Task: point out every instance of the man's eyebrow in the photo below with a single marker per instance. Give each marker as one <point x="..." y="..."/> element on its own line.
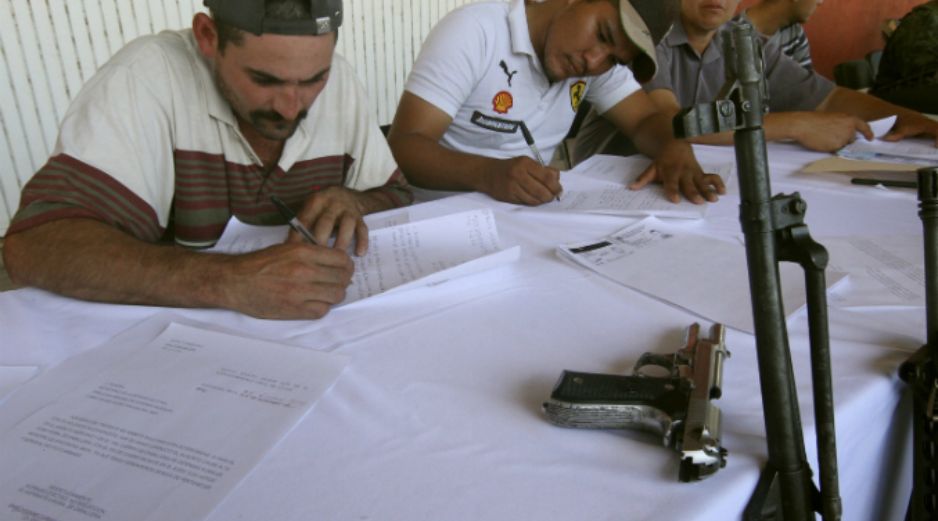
<point x="270" y="77"/>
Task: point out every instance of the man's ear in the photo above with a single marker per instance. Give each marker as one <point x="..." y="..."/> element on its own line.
<point x="206" y="34"/>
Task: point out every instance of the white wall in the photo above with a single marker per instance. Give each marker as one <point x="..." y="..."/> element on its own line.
<point x="49" y="48"/>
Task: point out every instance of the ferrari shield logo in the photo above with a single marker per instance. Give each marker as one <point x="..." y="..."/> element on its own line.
<point x="577" y="90"/>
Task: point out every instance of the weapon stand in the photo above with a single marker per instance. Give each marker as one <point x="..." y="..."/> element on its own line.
<point x="774" y="231"/>
<point x="920" y="371"/>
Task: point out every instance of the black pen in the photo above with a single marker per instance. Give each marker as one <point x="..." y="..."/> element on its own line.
<point x="529" y="139"/>
<point x="884" y="182"/>
<point x="292" y="220"/>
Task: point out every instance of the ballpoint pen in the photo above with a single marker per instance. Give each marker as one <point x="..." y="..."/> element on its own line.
<point x="292" y="220"/>
<point x="885" y="182"/>
<point x="529" y="139"/>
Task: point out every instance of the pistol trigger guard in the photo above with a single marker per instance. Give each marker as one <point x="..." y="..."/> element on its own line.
<point x="653" y="359"/>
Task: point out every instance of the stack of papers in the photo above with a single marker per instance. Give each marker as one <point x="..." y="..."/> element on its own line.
<point x="704" y="276"/>
<point x="160" y="423"/>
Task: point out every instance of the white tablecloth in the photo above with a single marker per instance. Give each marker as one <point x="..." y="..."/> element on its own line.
<point x="438" y="415"/>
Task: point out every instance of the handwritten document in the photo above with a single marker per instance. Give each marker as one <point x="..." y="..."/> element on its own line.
<point x="705" y="276"/>
<point x="164" y="432"/>
<point x="882" y="271"/>
<point x="600" y="185"/>
<point x="403" y="254"/>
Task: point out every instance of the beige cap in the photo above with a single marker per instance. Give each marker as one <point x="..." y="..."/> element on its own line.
<point x="646" y="22"/>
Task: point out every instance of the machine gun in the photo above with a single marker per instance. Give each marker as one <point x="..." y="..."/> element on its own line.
<point x="774" y="230"/>
<point x="676" y="406"/>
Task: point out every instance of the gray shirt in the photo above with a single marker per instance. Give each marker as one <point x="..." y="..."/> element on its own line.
<point x="698" y="79"/>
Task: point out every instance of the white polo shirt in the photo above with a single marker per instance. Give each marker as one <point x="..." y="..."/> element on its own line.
<point x="479" y="60"/>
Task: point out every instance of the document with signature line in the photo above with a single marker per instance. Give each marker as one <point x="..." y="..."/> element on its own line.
<point x="165" y="431"/>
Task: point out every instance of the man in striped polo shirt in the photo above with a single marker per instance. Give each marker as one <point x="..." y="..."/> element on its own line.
<point x="781" y="20"/>
<point x="180" y="131"/>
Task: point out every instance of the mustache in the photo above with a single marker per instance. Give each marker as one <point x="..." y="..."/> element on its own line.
<point x="275" y="117"/>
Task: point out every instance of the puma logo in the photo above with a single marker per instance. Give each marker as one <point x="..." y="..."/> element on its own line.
<point x="509" y="74"/>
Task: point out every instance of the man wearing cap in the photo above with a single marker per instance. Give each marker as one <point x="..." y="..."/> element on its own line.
<point x="180" y="131"/>
<point x="803" y="106"/>
<point x="495" y="81"/>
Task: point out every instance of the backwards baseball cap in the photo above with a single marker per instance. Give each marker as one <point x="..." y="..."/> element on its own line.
<point x="646" y="22"/>
<point x="250" y="15"/>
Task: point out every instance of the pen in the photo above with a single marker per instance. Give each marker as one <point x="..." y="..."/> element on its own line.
<point x="292" y="220"/>
<point x="529" y="139"/>
<point x="884" y="182"/>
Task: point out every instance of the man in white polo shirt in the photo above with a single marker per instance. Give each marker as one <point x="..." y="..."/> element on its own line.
<point x="179" y="132"/>
<point x="497" y="85"/>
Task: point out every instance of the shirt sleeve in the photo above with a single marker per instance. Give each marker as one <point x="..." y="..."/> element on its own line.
<point x="445" y="71"/>
<point x="611" y="87"/>
<point x="791" y="86"/>
<point x="113" y="158"/>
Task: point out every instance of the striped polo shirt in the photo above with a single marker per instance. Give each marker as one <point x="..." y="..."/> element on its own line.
<point x="150" y="146"/>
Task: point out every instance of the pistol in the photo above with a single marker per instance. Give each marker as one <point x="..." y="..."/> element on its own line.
<point x="675" y="405"/>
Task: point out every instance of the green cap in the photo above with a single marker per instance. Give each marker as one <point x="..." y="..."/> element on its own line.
<point x="250" y="16"/>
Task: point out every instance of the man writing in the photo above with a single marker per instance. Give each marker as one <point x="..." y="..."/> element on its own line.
<point x="803" y="106"/>
<point x="182" y="130"/>
<point x="487" y="68"/>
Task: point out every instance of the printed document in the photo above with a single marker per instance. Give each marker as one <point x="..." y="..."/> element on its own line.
<point x="403" y="254"/>
<point x="705" y="276"/>
<point x="882" y="271"/>
<point x="919" y="151"/>
<point x="600" y="185"/>
<point x="164" y="431"/>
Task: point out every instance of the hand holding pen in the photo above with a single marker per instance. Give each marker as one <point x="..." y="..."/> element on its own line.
<point x="334" y="211"/>
<point x="292" y="220"/>
<point x="529" y="139"/>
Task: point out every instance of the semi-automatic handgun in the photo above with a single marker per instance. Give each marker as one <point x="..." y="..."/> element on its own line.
<point x="676" y="405"/>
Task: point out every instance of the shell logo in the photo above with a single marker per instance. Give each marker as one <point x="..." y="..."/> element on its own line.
<point x="502" y="102"/>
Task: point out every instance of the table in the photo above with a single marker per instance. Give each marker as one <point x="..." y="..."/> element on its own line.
<point x="438" y="415"/>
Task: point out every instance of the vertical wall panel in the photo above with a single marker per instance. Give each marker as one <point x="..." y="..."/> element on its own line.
<point x="50" y="48"/>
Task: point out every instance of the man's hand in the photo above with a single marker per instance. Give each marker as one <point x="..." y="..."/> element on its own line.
<point x="335" y="210"/>
<point x="825" y="131"/>
<point x="677" y="169"/>
<point x="911" y="124"/>
<point x="288" y="281"/>
<point x="522" y="180"/>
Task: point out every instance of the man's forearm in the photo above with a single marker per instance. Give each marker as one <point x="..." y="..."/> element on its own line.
<point x="653" y="133"/>
<point x="90" y="260"/>
<point x="861" y="105"/>
<point x="430" y="165"/>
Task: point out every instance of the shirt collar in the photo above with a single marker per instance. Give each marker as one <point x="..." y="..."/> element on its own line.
<point x="518" y="29"/>
<point x="678" y="37"/>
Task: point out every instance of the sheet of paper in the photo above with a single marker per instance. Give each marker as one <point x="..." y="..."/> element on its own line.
<point x="164" y="432"/>
<point x="402" y="254"/>
<point x="600" y="185"/>
<point x="428" y="252"/>
<point x="653" y="258"/>
<point x="12" y="377"/>
<point x="882" y="271"/>
<point x="920" y="151"/>
<point x="240" y="237"/>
